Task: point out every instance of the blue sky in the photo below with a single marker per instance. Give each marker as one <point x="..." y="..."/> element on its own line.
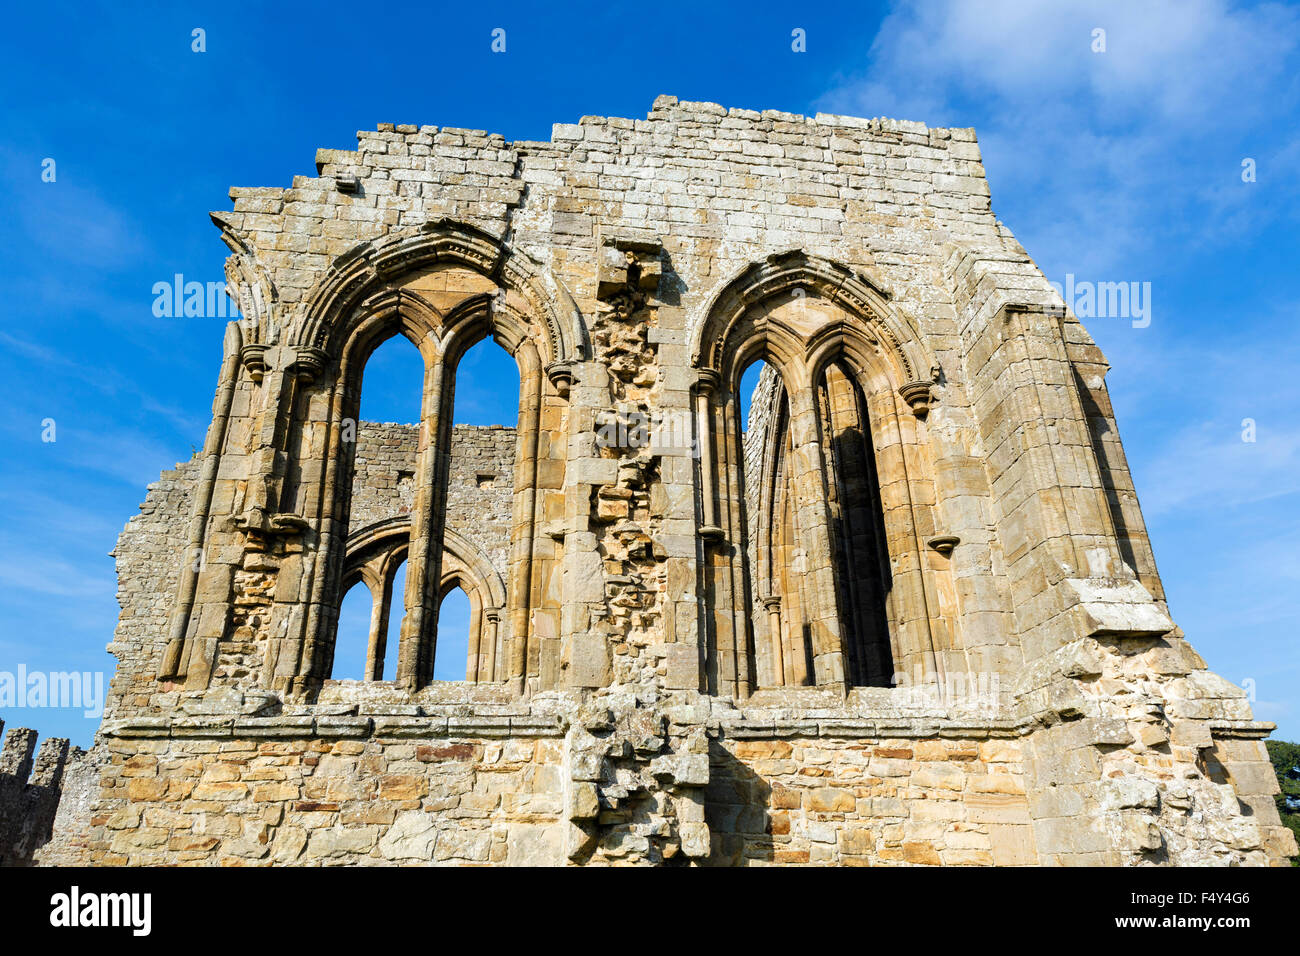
<point x="1123" y="165"/>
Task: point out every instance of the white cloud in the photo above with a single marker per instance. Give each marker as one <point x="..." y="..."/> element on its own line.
<point x="1177" y="60"/>
<point x="1104" y="149"/>
<point x="105" y="380"/>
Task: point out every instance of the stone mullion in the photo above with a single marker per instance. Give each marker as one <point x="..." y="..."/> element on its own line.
<point x="843" y="463"/>
<point x="808" y="477"/>
<point x="793" y="598"/>
<point x="735" y="543"/>
<point x="381" y="591"/>
<point x="869" y="549"/>
<point x="730" y="611"/>
<point x="835" y="527"/>
<point x="524" y="518"/>
<point x="424" y="556"/>
<point x="766" y="544"/>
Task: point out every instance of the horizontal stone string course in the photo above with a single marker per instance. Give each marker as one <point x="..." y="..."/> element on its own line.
<point x="325" y="727"/>
<point x="906" y="612"/>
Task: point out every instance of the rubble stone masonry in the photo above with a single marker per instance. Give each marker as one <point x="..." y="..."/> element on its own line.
<point x="911" y="616"/>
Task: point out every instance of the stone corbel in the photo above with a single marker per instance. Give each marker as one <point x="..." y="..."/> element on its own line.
<point x="628" y="270"/>
<point x="253" y="359"/>
<point x="918" y="397"/>
<point x="943" y="543"/>
<point x="561" y="376"/>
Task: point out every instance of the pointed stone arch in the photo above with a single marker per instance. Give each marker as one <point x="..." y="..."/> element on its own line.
<point x="814" y="320"/>
<point x="880" y="326"/>
<point x="529" y="292"/>
<point x="373" y="555"/>
<point x="444" y="287"/>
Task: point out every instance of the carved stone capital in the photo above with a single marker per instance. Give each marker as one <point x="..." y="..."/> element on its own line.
<point x="308" y="364"/>
<point x="707" y="381"/>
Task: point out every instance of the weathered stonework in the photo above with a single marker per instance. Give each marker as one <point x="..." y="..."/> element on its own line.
<point x="33" y="785"/>
<point x="911" y="616"/>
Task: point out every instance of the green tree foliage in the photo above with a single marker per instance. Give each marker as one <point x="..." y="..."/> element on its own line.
<point x="1286" y="764"/>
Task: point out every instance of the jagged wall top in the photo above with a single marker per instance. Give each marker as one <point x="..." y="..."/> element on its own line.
<point x="689" y="173"/>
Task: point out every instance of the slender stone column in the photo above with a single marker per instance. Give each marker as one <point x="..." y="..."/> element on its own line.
<point x="704" y="389"/>
<point x="773" y="605"/>
<point x="380" y="595"/>
<point x="525" y="515"/>
<point x="808" y="477"/>
<point x="488" y="646"/>
<point x="792" y="579"/>
<point x="734" y="650"/>
<point x="173" y="661"/>
<point x="424" y="557"/>
<point x="473" y="651"/>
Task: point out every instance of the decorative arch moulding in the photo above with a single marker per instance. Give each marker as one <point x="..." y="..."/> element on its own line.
<point x="374" y="266"/>
<point x="882" y="328"/>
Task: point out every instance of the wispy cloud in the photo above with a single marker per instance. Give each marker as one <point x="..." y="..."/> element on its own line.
<point x="105" y="380"/>
<point x="1099" y="144"/>
<point x="65" y="221"/>
<point x="40" y="574"/>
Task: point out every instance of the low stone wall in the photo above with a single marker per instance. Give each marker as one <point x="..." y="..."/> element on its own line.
<point x="868" y="802"/>
<point x="446" y="795"/>
<point x="465" y="774"/>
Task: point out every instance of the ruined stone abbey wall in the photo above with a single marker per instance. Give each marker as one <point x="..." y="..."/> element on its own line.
<point x="971" y="662"/>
